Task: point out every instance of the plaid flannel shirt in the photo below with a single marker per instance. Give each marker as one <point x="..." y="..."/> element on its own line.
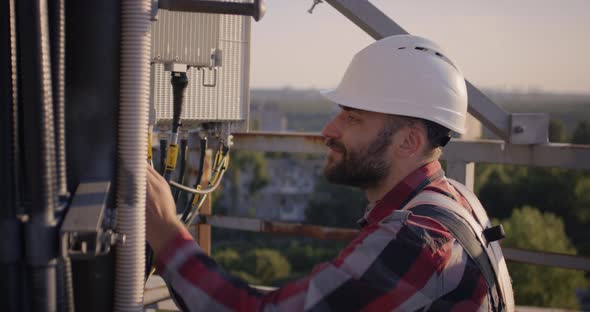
<point x="392" y="265"/>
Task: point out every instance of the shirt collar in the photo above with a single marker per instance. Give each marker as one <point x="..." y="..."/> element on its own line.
<point x="403" y="192"/>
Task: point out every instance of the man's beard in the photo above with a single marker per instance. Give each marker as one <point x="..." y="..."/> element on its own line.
<point x="364" y="167"/>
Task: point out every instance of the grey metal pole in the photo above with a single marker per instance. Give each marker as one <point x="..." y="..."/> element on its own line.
<point x="39" y="152"/>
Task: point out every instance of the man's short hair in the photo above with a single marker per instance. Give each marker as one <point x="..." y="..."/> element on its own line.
<point x="437" y="135"/>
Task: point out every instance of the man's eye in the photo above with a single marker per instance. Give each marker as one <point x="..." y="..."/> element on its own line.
<point x="350" y="117"/>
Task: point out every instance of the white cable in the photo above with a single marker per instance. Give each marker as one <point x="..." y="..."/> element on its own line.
<point x="196" y="191"/>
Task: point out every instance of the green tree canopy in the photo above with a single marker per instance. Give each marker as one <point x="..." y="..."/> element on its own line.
<point x="335" y="205"/>
<point x="556" y="131"/>
<point x="581" y="134"/>
<point x="503" y="188"/>
<point x="227" y="257"/>
<point x="582" y="200"/>
<point x="267" y="265"/>
<point x="260" y="266"/>
<point x="528" y="228"/>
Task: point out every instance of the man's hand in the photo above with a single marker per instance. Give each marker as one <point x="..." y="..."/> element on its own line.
<point x="161" y="221"/>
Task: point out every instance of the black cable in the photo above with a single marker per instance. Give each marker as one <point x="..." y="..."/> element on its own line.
<point x="163" y="152"/>
<point x="179" y="83"/>
<point x="199" y="177"/>
<point x="218" y="166"/>
<point x="183" y="159"/>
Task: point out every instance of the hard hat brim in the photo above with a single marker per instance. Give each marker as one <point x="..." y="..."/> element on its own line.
<point x="333" y="96"/>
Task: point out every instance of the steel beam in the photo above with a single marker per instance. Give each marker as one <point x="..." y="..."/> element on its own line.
<point x="560" y="155"/>
<point x="490" y="114"/>
<point x="378" y="25"/>
<point x="463" y="172"/>
<point x="368" y="18"/>
<point x="568" y="156"/>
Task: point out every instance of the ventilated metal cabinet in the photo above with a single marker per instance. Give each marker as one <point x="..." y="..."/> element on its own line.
<point x="216" y="49"/>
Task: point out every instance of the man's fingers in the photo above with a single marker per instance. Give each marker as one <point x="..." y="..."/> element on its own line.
<point x="151" y="170"/>
<point x="154" y="176"/>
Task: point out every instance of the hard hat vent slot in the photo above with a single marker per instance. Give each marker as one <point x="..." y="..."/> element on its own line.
<point x="401" y="48"/>
<point x="437" y="54"/>
<point x="428" y="50"/>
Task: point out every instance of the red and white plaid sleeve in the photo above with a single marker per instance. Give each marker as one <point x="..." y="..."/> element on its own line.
<point x="398" y="264"/>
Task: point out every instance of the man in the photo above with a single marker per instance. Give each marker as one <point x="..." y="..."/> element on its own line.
<point x="399" y="99"/>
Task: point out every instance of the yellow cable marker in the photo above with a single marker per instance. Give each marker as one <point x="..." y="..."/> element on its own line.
<point x="149" y="151"/>
<point x="171" y="157"/>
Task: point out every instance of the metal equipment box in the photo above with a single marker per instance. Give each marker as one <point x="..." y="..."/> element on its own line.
<point x="216" y="49"/>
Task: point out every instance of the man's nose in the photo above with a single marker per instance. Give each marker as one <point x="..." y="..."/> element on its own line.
<point x="332" y="129"/>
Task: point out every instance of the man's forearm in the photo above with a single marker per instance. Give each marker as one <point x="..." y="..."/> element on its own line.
<point x="163" y="235"/>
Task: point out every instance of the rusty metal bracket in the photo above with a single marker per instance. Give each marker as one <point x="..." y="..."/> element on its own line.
<point x="84" y="232"/>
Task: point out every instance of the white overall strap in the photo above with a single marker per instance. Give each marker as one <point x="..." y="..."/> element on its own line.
<point x="503" y="276"/>
<point x="437" y="199"/>
<point x="433" y="198"/>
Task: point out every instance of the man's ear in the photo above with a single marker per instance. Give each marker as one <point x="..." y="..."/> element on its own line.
<point x="409" y="142"/>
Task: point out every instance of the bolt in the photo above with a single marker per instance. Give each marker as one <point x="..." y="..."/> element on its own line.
<point x="230" y="140"/>
<point x="315" y="2"/>
<point x="111" y="238"/>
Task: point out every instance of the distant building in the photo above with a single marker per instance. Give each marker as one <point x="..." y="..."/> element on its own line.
<point x="285" y="197"/>
<point x="266" y="116"/>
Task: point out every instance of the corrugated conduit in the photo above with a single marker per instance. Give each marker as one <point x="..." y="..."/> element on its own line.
<point x="131" y="154"/>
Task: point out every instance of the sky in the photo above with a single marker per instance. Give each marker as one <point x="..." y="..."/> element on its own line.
<point x="510" y="45"/>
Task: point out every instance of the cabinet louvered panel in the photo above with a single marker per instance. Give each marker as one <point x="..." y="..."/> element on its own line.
<point x="228" y="100"/>
<point x="186" y="38"/>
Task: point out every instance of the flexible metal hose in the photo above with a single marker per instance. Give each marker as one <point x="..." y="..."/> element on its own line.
<point x="57" y="14"/>
<point x="132" y="153"/>
<point x="65" y="290"/>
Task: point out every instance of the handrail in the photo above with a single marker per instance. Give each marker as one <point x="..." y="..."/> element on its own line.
<point x="563" y="155"/>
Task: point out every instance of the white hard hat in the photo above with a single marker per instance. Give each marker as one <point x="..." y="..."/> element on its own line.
<point x="405" y="75"/>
